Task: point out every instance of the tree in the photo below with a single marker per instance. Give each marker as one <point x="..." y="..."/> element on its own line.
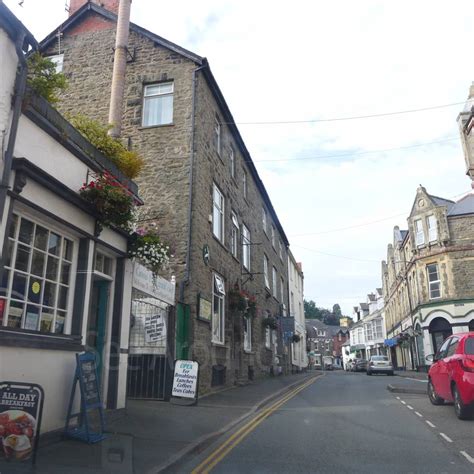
<point x="311" y="311"/>
<point x="336" y="309"/>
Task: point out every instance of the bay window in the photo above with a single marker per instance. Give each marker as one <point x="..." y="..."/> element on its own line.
<point x="36" y="290"/>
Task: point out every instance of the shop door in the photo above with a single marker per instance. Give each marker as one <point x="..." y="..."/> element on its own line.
<point x="97" y="321"/>
<point x="148" y="375"/>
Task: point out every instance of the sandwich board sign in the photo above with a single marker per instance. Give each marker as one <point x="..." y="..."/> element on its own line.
<point x="21" y="410"/>
<point x="185" y="382"/>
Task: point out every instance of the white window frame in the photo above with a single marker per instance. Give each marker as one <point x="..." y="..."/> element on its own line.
<point x="432" y="228"/>
<point x="281" y="250"/>
<point x="218" y="209"/>
<point x="218" y="135"/>
<point x="247" y="333"/>
<point x="244" y="183"/>
<point x="273" y="235"/>
<point x="274" y="282"/>
<point x="246" y="244"/>
<point x="266" y="263"/>
<point x="282" y="290"/>
<point x="147" y="98"/>
<point x="234" y="237"/>
<point x="58" y="60"/>
<point x="218" y="309"/>
<point x="419" y="232"/>
<point x="432" y="284"/>
<point x="264" y="220"/>
<point x="232" y="161"/>
<point x="54" y="308"/>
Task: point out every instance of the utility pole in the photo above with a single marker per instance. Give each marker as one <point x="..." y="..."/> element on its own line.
<point x="119" y="71"/>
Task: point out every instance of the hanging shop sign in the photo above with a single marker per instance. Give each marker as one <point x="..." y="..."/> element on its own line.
<point x="185" y="382"/>
<point x="155" y="327"/>
<point x="153" y="285"/>
<point x="87" y="377"/>
<point x="21" y="409"/>
<point x="204" y="309"/>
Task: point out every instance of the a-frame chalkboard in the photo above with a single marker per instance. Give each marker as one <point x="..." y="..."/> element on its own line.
<point x="87" y="377"/>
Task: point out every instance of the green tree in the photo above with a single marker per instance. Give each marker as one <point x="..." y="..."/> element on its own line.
<point x="311" y="311"/>
<point x="43" y="79"/>
<point x="336" y="309"/>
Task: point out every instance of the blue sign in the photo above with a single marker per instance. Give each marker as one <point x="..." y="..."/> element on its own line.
<point x="87" y="377"/>
<point x="391" y="342"/>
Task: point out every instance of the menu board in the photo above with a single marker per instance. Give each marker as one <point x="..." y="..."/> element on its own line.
<point x="21" y="406"/>
<point x="185" y="379"/>
<point x="89" y="383"/>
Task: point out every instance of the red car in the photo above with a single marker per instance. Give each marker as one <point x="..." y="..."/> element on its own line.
<point x="451" y="377"/>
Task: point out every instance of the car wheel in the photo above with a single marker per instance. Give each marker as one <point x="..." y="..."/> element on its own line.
<point x="463" y="412"/>
<point x="433" y="396"/>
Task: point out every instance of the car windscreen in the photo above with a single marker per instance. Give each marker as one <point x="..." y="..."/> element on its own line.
<point x="384" y="358"/>
<point x="469" y="346"/>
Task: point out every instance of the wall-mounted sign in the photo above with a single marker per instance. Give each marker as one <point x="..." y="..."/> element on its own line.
<point x="185" y="381"/>
<point x="155" y="327"/>
<point x="206" y="256"/>
<point x="157" y="287"/>
<point x="21" y="408"/>
<point x="204" y="309"/>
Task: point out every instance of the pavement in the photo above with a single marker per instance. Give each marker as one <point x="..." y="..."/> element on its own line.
<point x="409" y="382"/>
<point x="151" y="436"/>
<point x="344" y="423"/>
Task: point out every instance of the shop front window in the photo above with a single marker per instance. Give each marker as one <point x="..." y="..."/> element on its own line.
<point x="36" y="288"/>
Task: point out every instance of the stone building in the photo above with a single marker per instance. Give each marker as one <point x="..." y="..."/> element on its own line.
<point x="428" y="278"/>
<point x="201" y="189"/>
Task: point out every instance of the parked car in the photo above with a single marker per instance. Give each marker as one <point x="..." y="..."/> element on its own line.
<point x="359" y="365"/>
<point x="451" y="377"/>
<point x="328" y="362"/>
<point x="379" y="364"/>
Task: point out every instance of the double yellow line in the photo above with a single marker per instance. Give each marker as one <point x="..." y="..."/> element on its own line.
<point x="216" y="457"/>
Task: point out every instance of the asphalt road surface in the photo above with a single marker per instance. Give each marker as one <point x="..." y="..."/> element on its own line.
<point x="346" y="423"/>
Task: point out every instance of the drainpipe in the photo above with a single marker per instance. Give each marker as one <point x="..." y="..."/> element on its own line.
<point x="20" y="86"/>
<point x="185" y="281"/>
<point x="119" y="71"/>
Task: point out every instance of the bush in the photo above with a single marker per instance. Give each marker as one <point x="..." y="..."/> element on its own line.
<point x="128" y="162"/>
<point x="43" y="79"/>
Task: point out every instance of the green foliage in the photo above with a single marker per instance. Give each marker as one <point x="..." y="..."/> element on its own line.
<point x="128" y="162"/>
<point x="328" y="317"/>
<point x="43" y="79"/>
<point x="311" y="311"/>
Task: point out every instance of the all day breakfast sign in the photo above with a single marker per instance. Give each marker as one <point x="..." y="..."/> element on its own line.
<point x="185" y="379"/>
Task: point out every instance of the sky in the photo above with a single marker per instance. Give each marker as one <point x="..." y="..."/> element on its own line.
<point x="338" y="186"/>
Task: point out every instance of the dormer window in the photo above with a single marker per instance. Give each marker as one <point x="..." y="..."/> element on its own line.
<point x="419" y="233"/>
<point x="432" y="228"/>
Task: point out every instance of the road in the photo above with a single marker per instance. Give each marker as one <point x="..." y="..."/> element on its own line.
<point x="345" y="423"/>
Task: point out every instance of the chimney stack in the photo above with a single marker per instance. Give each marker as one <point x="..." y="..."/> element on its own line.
<point x="111" y="5"/>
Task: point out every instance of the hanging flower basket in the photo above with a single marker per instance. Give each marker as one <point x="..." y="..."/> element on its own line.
<point x="147" y="247"/>
<point x="295" y="338"/>
<point x="112" y="201"/>
<point x="271" y="322"/>
<point x="237" y="300"/>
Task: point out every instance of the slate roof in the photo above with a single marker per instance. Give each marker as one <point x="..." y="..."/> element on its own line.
<point x="364" y="306"/>
<point x="403" y="233"/>
<point x="315" y="324"/>
<point x="464" y="206"/>
<point x="379" y="291"/>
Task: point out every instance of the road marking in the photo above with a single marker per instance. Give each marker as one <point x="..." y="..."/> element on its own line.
<point x="417" y="380"/>
<point x="403" y="402"/>
<point x="469" y="458"/>
<point x="417" y="413"/>
<point x="410" y="407"/>
<point x="214" y="458"/>
<point x="447" y="438"/>
<point x="430" y="424"/>
<point x="398" y="398"/>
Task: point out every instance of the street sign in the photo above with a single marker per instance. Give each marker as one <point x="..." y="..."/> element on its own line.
<point x="21" y="410"/>
<point x="185" y="382"/>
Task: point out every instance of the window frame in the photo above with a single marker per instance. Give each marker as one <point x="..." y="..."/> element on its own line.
<point x="30" y="277"/>
<point x="234" y="235"/>
<point x="274" y="282"/>
<point x="282" y="290"/>
<point x="58" y="60"/>
<point x="146" y="100"/>
<point x="264" y="220"/>
<point x="432" y="230"/>
<point x="218" y="212"/>
<point x="218" y="135"/>
<point x="232" y="161"/>
<point x="272" y="230"/>
<point x="268" y="337"/>
<point x="244" y="184"/>
<point x="248" y="333"/>
<point x="419" y="232"/>
<point x="246" y="244"/>
<point x="266" y="278"/>
<point x="433" y="282"/>
<point x="218" y="296"/>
